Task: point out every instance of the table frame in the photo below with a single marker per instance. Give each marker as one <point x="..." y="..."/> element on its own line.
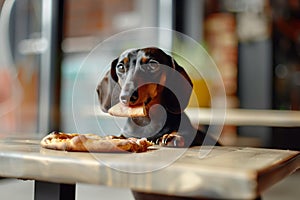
<point x="57" y="191"/>
<point x="54" y="191"/>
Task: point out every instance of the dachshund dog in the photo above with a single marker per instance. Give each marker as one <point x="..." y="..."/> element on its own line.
<point x="152" y="78"/>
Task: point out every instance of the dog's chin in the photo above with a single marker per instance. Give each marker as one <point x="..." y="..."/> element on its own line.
<point x="155" y="113"/>
<point x="141" y="121"/>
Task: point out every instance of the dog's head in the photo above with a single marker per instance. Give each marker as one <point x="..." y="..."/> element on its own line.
<point x="145" y="76"/>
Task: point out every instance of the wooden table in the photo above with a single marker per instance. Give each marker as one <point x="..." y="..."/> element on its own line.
<point x="210" y="172"/>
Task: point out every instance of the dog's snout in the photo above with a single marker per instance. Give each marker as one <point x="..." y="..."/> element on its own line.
<point x="125" y="99"/>
<point x="129" y="99"/>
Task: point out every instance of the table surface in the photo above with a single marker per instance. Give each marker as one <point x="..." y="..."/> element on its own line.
<point x="227" y="172"/>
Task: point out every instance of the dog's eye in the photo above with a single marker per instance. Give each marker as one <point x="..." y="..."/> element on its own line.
<point x="154" y="65"/>
<point x="153" y="62"/>
<point x="151" y="66"/>
<point x="121" y="68"/>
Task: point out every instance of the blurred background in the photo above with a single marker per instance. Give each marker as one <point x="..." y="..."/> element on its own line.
<point x="255" y="44"/>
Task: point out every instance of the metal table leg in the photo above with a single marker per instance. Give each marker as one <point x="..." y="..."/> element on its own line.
<point x="53" y="191"/>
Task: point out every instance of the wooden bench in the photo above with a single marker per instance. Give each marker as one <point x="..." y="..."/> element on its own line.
<point x="194" y="173"/>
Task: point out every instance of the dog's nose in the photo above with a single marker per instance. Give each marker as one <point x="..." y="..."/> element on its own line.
<point x="129" y="99"/>
<point x="124" y="99"/>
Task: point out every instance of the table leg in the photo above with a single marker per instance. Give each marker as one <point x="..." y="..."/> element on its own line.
<point x="53" y="191"/>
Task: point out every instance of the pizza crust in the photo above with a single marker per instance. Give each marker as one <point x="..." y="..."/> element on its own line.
<point x="122" y="110"/>
<point x="93" y="143"/>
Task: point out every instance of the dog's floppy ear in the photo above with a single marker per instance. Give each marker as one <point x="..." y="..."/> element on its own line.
<point x="108" y="89"/>
<point x="179" y="89"/>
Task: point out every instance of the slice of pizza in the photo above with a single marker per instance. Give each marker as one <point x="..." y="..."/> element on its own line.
<point x="93" y="143"/>
<point x="122" y="110"/>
